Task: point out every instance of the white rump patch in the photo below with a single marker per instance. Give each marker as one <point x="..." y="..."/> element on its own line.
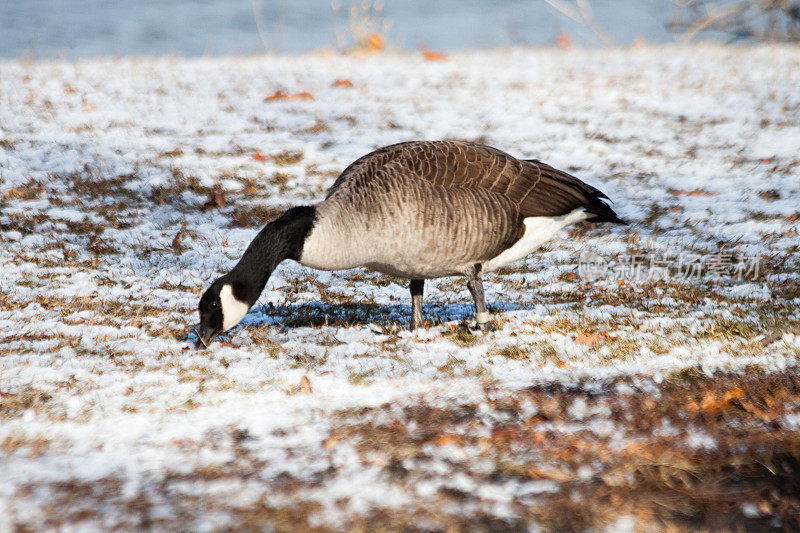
<point x="538" y="230"/>
<point x="233" y="310"/>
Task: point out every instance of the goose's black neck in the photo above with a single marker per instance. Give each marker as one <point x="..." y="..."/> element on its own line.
<point x="280" y="239"/>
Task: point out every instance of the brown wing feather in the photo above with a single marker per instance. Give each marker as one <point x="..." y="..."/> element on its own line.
<point x="537" y="189"/>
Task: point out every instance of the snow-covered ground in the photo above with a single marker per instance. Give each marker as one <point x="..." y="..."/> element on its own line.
<point x="127" y="185"/>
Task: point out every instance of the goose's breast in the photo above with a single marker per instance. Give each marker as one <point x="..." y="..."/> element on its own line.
<point x="415" y="231"/>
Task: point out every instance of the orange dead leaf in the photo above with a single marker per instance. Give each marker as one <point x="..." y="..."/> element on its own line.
<point x="732" y="394"/>
<point x="374" y="42"/>
<point x="756" y="411"/>
<point x="562" y="364"/>
<point x="305" y="385"/>
<point x="330" y="443"/>
<point x="430" y="55"/>
<point x="305" y="95"/>
<point x="587" y="338"/>
<point x="710" y="403"/>
<point x="447" y="439"/>
<point x="259" y="157"/>
<point x="342" y="83"/>
<point x="693" y="192"/>
<point x="552" y="474"/>
<point x="280" y="95"/>
<point x="277" y="95"/>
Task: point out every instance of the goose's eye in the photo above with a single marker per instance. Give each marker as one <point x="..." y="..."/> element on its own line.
<point x="213" y="305"/>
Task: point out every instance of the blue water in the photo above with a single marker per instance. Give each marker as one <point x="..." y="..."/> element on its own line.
<point x="81" y="28"/>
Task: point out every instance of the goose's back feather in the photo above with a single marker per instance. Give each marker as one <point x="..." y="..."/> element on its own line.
<point x="536" y="188"/>
<point x="431" y="209"/>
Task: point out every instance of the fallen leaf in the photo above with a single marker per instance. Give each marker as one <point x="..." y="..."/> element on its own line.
<point x="756" y="411"/>
<point x="447" y="439"/>
<point x="305" y="95"/>
<point x="280" y="95"/>
<point x="277" y="95"/>
<point x="430" y="55"/>
<point x="549" y="473"/>
<point x="709" y="403"/>
<point x="693" y="192"/>
<point x="342" y="83"/>
<point x="330" y="443"/>
<point x="305" y="385"/>
<point x="587" y="338"/>
<point x="374" y="42"/>
<point x="732" y="394"/>
<point x="259" y="157"/>
<point x="215" y="199"/>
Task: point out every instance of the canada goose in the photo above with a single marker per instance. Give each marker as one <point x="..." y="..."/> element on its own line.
<point x="416" y="210"/>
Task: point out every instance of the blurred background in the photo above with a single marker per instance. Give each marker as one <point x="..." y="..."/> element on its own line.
<point x="84" y="28"/>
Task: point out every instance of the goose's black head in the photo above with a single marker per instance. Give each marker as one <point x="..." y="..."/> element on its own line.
<point x="221" y="307"/>
<point x="227" y="300"/>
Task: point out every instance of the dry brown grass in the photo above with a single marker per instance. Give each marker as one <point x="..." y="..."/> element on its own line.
<point x="661" y="481"/>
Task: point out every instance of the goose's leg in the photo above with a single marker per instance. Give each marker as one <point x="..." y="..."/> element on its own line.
<point x="417" y="286"/>
<point x="475" y="286"/>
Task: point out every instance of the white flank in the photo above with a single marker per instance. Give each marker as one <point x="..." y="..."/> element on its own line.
<point x="538" y="230"/>
<point x="233" y="310"/>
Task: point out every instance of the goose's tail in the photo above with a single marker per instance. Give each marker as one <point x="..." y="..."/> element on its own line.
<point x="564" y="192"/>
<point x="597" y="205"/>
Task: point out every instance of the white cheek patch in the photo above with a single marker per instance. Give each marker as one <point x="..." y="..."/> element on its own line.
<point x="233" y="310"/>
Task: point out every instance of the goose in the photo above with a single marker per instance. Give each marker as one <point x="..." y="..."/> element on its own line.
<point x="415" y="210"/>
